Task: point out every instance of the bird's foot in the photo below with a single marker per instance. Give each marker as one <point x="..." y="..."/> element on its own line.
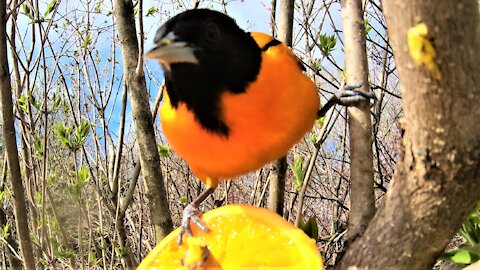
<point x="190" y="215"/>
<point x="349" y="95"/>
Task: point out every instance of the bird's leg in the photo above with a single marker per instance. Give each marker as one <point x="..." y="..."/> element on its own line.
<point x="348" y="95"/>
<point x="190" y="213"/>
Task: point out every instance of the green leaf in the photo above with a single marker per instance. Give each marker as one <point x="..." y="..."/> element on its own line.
<point x="82" y="175"/>
<point x="43" y="262"/>
<point x="76" y="141"/>
<point x="470" y="229"/>
<point x="164" y="150"/>
<point x="38" y="145"/>
<point x="474" y="250"/>
<point x="310" y="228"/>
<point x="298" y="174"/>
<point x="23" y="102"/>
<point x="459" y="256"/>
<point x="343" y="74"/>
<point x="32" y="100"/>
<point x="87" y="41"/>
<point x="98" y="7"/>
<point x="316" y="65"/>
<point x="468" y="252"/>
<point x="27" y="11"/>
<point x="6" y="231"/>
<point x="183" y="200"/>
<point x="327" y="44"/>
<point x="313" y="137"/>
<point x="50" y="8"/>
<point x="320" y="120"/>
<point x="477" y="208"/>
<point x="61" y="251"/>
<point x="38" y="198"/>
<point x="52" y="178"/>
<point x="92" y="257"/>
<point x="151" y="11"/>
<point x="81" y="134"/>
<point x="84" y="128"/>
<point x="63" y="134"/>
<point x="26" y="8"/>
<point x="368" y="27"/>
<point x="121" y="252"/>
<point x="65" y="107"/>
<point x="56" y="103"/>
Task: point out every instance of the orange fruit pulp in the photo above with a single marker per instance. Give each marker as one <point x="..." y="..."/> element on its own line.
<point x="240" y="237"/>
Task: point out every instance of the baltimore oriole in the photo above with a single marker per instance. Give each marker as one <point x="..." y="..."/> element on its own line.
<point x="234" y="101"/>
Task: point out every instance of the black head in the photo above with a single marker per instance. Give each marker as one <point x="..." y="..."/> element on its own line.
<point x="203" y="52"/>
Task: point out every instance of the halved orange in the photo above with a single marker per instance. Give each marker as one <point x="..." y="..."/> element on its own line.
<point x="240" y="237"/>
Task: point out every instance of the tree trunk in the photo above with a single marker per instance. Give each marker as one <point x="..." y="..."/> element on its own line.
<point x="134" y="78"/>
<point x="9" y="136"/>
<point x="276" y="192"/>
<point x="362" y="206"/>
<point x="436" y="184"/>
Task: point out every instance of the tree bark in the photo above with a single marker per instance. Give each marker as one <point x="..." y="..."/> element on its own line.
<point x="134" y="78"/>
<point x="436" y="184"/>
<point x="276" y="186"/>
<point x="285" y="22"/>
<point x="362" y="206"/>
<point x="276" y="192"/>
<point x="9" y="136"/>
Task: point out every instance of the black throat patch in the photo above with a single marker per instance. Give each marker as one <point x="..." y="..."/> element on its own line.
<point x="200" y="85"/>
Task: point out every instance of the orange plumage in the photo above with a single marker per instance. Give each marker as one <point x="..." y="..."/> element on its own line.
<point x="265" y="121"/>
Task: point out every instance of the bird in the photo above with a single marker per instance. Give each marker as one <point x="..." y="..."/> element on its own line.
<point x="233" y="101"/>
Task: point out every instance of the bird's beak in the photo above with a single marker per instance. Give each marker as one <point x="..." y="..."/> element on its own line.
<point x="168" y="51"/>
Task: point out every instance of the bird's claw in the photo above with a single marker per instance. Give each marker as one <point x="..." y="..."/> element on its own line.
<point x="349" y="95"/>
<point x="190" y="214"/>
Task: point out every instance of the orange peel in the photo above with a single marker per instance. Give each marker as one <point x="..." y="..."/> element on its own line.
<point x="240" y="237"/>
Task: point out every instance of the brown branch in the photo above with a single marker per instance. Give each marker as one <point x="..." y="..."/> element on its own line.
<point x="311" y="164"/>
<point x="437" y="181"/>
<point x="136" y="171"/>
<point x="9" y="136"/>
<point x="149" y="156"/>
<point x="360" y="126"/>
<point x="277" y="177"/>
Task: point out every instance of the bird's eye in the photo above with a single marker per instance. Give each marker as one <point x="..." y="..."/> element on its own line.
<point x="212" y="33"/>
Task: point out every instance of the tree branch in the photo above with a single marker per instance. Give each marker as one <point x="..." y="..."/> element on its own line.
<point x="149" y="156"/>
<point x="360" y="126"/>
<point x="436" y="184"/>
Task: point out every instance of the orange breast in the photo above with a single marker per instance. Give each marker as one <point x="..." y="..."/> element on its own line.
<point x="268" y="119"/>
